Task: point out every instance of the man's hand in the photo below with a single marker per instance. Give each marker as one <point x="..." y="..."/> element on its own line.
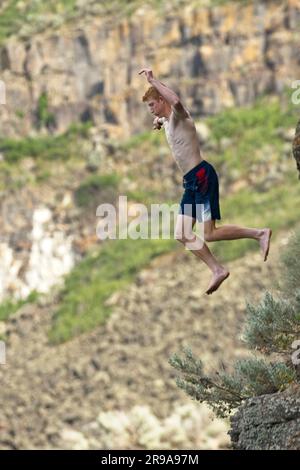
<point x="157" y="123"/>
<point x="148" y="73"/>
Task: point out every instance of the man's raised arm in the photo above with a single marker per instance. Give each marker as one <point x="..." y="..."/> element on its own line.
<point x="169" y="95"/>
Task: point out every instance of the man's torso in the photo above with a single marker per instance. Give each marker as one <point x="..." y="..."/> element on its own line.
<point x="182" y="137"/>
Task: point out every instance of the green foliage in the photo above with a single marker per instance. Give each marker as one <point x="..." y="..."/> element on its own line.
<point x="20" y="113"/>
<point x="253" y="134"/>
<point x="201" y="387"/>
<point x="224" y="392"/>
<point x="82" y="303"/>
<point x="79" y="129"/>
<point x="44" y="117"/>
<point x="153" y="138"/>
<point x="258" y="377"/>
<point x="16" y="13"/>
<point x="46" y="151"/>
<point x="42" y="147"/>
<point x="95" y="185"/>
<point x="263" y="116"/>
<point x="272" y="325"/>
<point x="9" y="307"/>
<point x="289" y="260"/>
<point x="10" y="19"/>
<point x="59" y="147"/>
<point x="143" y="196"/>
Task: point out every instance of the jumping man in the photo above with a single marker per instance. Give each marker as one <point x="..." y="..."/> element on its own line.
<point x="200" y="181"/>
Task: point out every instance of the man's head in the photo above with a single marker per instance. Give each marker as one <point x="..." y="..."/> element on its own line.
<point x="157" y="105"/>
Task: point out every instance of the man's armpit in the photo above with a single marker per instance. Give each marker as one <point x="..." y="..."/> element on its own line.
<point x="179" y="111"/>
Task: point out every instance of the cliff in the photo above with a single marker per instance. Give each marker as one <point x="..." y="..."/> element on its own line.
<point x="214" y="57"/>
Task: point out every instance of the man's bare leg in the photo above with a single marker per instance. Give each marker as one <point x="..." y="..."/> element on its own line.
<point x="185" y="234"/>
<point x="234" y="232"/>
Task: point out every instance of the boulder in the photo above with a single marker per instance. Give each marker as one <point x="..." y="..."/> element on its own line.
<point x="268" y="422"/>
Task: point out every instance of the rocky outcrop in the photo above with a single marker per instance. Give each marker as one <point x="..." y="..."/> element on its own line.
<point x="213" y="56"/>
<point x="36" y="248"/>
<point x="296" y="147"/>
<point x="42" y="239"/>
<point x="268" y="422"/>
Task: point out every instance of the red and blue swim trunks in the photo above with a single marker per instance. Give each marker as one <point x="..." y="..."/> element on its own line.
<point x="201" y="196"/>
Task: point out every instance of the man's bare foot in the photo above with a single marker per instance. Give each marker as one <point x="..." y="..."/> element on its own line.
<point x="218" y="277"/>
<point x="264" y="242"/>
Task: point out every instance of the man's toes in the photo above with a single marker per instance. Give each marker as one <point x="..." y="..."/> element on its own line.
<point x="216" y="282"/>
<point x="266" y="244"/>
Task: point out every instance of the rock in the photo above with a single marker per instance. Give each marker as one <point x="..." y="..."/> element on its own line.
<point x="51" y="256"/>
<point x="113" y="421"/>
<point x="83" y="81"/>
<point x="94" y="159"/>
<point x="41" y="216"/>
<point x="296" y="147"/>
<point x="74" y="440"/>
<point x="268" y="422"/>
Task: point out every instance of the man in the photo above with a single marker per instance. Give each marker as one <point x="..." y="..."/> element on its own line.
<point x="200" y="181"/>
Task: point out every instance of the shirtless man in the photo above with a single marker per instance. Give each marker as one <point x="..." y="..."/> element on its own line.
<point x="200" y="181"/>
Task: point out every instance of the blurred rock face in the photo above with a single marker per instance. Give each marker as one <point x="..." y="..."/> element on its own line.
<point x="214" y="57"/>
<point x="48" y="257"/>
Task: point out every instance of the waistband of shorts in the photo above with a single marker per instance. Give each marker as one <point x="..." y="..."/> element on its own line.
<point x="191" y="173"/>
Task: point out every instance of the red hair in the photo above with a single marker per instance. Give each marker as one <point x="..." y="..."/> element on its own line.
<point x="152" y="93"/>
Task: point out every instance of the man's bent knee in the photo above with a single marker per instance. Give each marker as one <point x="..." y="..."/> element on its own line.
<point x="195" y="244"/>
<point x="184" y="238"/>
<point x="192" y="242"/>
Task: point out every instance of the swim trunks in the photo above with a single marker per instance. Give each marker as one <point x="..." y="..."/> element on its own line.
<point x="201" y="196"/>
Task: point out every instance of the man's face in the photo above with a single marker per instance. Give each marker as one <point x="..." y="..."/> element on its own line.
<point x="155" y="107"/>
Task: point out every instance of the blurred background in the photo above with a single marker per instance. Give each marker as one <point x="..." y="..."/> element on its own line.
<point x="89" y="325"/>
